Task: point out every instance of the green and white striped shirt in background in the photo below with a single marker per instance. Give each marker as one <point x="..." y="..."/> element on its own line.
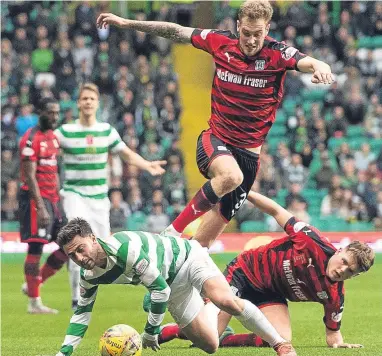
<point x="85" y="151"/>
<point x="132" y="258"/>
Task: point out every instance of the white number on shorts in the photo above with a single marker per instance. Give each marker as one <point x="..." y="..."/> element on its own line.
<point x="243" y="196"/>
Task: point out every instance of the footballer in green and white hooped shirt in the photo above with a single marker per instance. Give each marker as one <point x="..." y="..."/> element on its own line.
<point x="85" y="145"/>
<point x="174" y="270"/>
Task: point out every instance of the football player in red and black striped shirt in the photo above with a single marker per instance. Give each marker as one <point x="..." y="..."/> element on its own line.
<point x="246" y="92"/>
<point x="41" y="214"/>
<point x="300" y="267"/>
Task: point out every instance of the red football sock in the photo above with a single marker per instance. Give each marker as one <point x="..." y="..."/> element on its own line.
<point x="53" y="264"/>
<point x="32" y="275"/>
<point x="243" y="340"/>
<point x="202" y="202"/>
<point x="168" y="333"/>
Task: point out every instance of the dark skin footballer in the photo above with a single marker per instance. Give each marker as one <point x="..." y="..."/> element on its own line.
<point x="47" y="121"/>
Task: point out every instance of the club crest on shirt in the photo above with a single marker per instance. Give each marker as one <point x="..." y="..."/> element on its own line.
<point x="89" y="139"/>
<point x="260" y="64"/>
<point x="299" y="259"/>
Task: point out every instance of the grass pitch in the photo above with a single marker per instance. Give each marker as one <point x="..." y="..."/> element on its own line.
<point x="32" y="335"/>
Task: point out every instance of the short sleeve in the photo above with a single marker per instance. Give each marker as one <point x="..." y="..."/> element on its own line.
<point x="290" y="57"/>
<point x="29" y="148"/>
<point x="210" y="40"/>
<point x="115" y="142"/>
<point x="59" y="133"/>
<point x="300" y="232"/>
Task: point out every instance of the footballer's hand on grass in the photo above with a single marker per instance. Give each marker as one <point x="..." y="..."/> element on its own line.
<point x="155" y="168"/>
<point x="105" y="19"/>
<point x="150" y="341"/>
<point x="322" y="75"/>
<point x="347" y="346"/>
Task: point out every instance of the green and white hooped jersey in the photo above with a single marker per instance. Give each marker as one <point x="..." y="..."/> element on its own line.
<point x="132" y="258"/>
<point x="85" y="151"/>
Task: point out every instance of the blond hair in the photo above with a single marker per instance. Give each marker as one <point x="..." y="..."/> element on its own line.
<point x="362" y="253"/>
<point x="256" y="9"/>
<point x="89" y="86"/>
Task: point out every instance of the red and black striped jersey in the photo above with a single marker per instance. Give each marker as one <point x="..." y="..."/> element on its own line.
<point x="295" y="267"/>
<point x="42" y="148"/>
<point x="246" y="91"/>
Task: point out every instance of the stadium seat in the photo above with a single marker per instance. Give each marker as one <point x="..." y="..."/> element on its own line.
<point x="289" y="105"/>
<point x="355" y="131"/>
<point x="253" y="226"/>
<point x="338" y="224"/>
<point x="10" y="226"/>
<point x="377" y="42"/>
<point x="375" y="145"/>
<point x="365" y="42"/>
<point x="277" y="130"/>
<point x="335" y="142"/>
<point x="280" y="116"/>
<point x="313" y="95"/>
<point x="361" y="226"/>
<point x="320" y="224"/>
<point x="136" y="221"/>
<point x="356" y="142"/>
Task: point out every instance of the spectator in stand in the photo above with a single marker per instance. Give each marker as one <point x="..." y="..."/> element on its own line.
<point x="322" y="30"/>
<point x="337" y="127"/>
<point x="355" y="108"/>
<point x="25" y="120"/>
<point x="324" y="176"/>
<point x="369" y="66"/>
<point x="295" y="172"/>
<point x="157" y="198"/>
<point x="363" y="157"/>
<point x="306" y="155"/>
<point x="376" y="19"/>
<point x="373" y="122"/>
<point x="344" y="153"/>
<point x="10" y="204"/>
<point x="9" y="167"/>
<point x="119" y="211"/>
<point x="85" y="20"/>
<point x="157" y="220"/>
<point x="293" y="85"/>
<point x="333" y="97"/>
<point x="294" y="193"/>
<point x="349" y="179"/>
<point x="331" y="203"/>
<point x="134" y="200"/>
<point x="81" y="54"/>
<point x="298" y="209"/>
<point x="268" y="176"/>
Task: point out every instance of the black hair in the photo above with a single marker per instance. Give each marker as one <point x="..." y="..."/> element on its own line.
<point x="43" y="103"/>
<point x="75" y="227"/>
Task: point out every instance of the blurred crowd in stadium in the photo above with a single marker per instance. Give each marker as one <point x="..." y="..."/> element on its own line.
<point x="324" y="153"/>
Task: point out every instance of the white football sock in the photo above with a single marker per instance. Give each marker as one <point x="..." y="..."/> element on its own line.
<point x="254" y="320"/>
<point x="74" y="279"/>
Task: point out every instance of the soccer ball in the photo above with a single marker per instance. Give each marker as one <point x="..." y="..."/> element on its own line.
<point x="120" y="340"/>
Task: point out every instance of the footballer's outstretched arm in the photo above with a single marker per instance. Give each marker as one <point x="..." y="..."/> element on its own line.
<point x="79" y="322"/>
<point x="270" y="207"/>
<point x="322" y="73"/>
<point x="169" y="30"/>
<point x="152" y="279"/>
